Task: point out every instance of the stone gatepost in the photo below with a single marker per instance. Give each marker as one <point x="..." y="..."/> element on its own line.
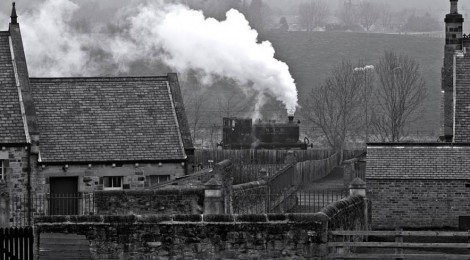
<point x="359" y="187"/>
<point x="213" y="197"/>
<point x="263" y="174"/>
<point x="290" y="158"/>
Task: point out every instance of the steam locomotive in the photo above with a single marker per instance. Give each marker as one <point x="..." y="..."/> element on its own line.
<point x="241" y="133"/>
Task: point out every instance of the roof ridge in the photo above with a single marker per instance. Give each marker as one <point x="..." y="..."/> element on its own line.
<point x="90" y="78"/>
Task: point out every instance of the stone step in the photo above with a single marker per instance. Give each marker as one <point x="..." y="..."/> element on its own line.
<point x="63" y="246"/>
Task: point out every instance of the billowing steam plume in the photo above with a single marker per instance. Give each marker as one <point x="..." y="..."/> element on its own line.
<point x="182" y="38"/>
<point x="52" y="47"/>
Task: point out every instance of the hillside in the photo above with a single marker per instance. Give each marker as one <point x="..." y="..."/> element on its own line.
<point x="311" y="56"/>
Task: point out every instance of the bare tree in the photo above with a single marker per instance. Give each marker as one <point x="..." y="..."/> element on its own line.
<point x="312" y="14"/>
<point x="369" y="14"/>
<point x="259" y="14"/>
<point x="194" y="102"/>
<point x="335" y="106"/>
<point x="348" y="14"/>
<point x="400" y="94"/>
<point x="386" y="17"/>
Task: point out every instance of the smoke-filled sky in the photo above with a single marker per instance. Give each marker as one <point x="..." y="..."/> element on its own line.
<point x="74" y="38"/>
<point x="181" y="38"/>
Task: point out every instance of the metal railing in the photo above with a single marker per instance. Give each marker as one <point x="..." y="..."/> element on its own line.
<point x="23" y="210"/>
<point x="260" y="201"/>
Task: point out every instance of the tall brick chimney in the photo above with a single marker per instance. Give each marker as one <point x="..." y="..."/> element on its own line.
<point x="453" y="43"/>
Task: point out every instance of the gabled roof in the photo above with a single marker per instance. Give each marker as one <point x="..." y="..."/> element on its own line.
<point x="12" y="129"/>
<point x="107" y="119"/>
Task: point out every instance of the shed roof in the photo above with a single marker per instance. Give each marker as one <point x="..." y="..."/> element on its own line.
<point x="107" y="119"/>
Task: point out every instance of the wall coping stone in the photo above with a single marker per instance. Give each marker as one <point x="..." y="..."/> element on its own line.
<point x="331" y="210"/>
<point x="182" y="218"/>
<point x="419" y="144"/>
<point x="183" y="190"/>
<point x="249" y="185"/>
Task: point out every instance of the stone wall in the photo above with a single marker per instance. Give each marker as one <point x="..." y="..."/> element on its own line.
<point x="174" y="200"/>
<point x="135" y="176"/>
<point x="19" y="175"/>
<point x="278" y="236"/>
<point x="251" y="198"/>
<point x="418" y="185"/>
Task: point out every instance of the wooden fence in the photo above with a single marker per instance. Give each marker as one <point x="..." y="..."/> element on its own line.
<point x="209" y="157"/>
<point x="343" y="244"/>
<point x="310" y="171"/>
<point x="16" y="243"/>
<point x="243" y="173"/>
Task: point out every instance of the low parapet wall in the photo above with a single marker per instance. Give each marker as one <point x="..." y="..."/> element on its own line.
<point x="194" y="236"/>
<point x="171" y="200"/>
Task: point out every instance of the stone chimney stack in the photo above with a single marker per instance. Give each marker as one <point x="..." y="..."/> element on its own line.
<point x="14" y="17"/>
<point x="454" y="42"/>
<point x="454" y="7"/>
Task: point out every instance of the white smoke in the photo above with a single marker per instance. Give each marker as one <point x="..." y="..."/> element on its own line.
<point x="182" y="38"/>
<point x="53" y="49"/>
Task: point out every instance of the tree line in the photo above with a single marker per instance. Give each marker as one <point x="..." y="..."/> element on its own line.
<point x="372" y="103"/>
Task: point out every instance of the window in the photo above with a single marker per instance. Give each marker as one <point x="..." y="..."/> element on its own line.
<point x="2" y="170"/>
<point x="155" y="179"/>
<point x="112" y="183"/>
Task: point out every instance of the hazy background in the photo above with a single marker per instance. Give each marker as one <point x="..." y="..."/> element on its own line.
<point x="96" y="38"/>
<point x="106" y="8"/>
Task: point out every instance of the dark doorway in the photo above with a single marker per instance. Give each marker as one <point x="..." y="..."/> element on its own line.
<point x="63" y="196"/>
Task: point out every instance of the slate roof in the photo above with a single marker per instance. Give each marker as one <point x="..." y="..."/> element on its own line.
<point x="11" y="122"/>
<point x="106" y="119"/>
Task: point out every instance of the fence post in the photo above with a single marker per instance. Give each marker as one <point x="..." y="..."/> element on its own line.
<point x="213" y="197"/>
<point x="399" y="239"/>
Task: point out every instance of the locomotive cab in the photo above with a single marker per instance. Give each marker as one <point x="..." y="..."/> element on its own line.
<point x="240" y="133"/>
<point x="236" y="133"/>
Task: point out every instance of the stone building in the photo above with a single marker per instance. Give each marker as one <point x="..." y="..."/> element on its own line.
<point x="421" y="185"/>
<point x="73" y="135"/>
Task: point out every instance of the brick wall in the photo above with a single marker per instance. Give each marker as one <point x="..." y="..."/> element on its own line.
<point x="447" y="86"/>
<point x="418" y="185"/>
<point x="177" y="200"/>
<point x="418" y="203"/>
<point x="462" y="100"/>
<point x="279" y="236"/>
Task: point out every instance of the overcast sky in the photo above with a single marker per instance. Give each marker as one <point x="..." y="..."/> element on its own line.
<point x="102" y="9"/>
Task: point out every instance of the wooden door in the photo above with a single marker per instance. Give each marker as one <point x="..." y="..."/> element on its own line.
<point x="63" y="196"/>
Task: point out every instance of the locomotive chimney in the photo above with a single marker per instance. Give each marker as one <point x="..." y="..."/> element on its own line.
<point x="291" y="118"/>
<point x="290" y="115"/>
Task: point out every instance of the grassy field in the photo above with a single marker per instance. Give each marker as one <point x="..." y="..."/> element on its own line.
<point x="311" y="56"/>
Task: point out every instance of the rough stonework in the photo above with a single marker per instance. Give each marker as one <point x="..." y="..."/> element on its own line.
<point x="176" y="200"/>
<point x="272" y="236"/>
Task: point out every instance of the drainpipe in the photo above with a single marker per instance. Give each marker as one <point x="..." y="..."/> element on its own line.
<point x="28" y="186"/>
<point x="33" y="156"/>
